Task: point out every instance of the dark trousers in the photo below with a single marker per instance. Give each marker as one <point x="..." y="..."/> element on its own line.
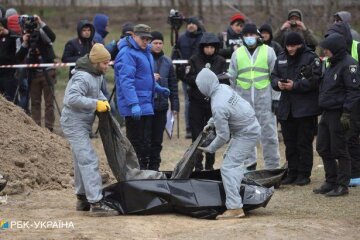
<point x="8" y="85"/>
<point x="298" y="136"/>
<point x="354" y="147"/>
<point x="38" y="86"/>
<point x="158" y="126"/>
<point x="199" y="114"/>
<point x="331" y="145"/>
<point x="139" y="134"/>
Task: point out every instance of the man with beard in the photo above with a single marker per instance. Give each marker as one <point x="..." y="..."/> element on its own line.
<point x="82" y="98"/>
<point x="199" y="106"/>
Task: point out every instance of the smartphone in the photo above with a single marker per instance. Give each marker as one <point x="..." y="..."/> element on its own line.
<point x="283" y="80"/>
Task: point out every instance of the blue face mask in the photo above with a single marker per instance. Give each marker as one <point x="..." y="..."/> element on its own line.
<point x="250" y="41"/>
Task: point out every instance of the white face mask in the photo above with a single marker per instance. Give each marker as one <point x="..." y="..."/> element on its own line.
<point x="250" y="41"/>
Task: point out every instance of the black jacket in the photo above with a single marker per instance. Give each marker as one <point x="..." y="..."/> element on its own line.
<point x="340" y="87"/>
<point x="275" y="45"/>
<point x="8" y="54"/>
<point x="164" y="67"/>
<point x="44" y="47"/>
<point x="216" y="63"/>
<point x="227" y="45"/>
<point x="78" y="47"/>
<point x="186" y="46"/>
<point x="302" y="100"/>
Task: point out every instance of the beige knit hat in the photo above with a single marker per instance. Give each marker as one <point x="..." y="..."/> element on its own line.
<point x="99" y="54"/>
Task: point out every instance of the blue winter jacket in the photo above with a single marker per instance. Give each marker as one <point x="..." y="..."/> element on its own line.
<point x="134" y="76"/>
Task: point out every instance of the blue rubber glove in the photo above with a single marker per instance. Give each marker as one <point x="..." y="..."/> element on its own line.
<point x="136" y="112"/>
<point x="162" y="90"/>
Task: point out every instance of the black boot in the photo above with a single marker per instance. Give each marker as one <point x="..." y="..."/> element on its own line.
<point x="102" y="208"/>
<point x="338" y="191"/>
<point x="82" y="203"/>
<point x="302" y="181"/>
<point x="288" y="180"/>
<point x="324" y="188"/>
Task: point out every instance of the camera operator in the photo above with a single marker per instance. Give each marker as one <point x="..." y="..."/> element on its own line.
<point x="37" y="48"/>
<point x="295" y="23"/>
<point x="8" y="55"/>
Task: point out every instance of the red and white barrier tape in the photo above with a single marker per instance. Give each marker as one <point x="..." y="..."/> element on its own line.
<point x="56" y="65"/>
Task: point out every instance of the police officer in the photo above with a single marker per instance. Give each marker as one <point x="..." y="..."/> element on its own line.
<point x="339" y="90"/>
<point x="353" y="48"/>
<point x="297" y="75"/>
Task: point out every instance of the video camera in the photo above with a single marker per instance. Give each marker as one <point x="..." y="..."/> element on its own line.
<point x="28" y="23"/>
<point x="175" y="19"/>
<point x="30" y="26"/>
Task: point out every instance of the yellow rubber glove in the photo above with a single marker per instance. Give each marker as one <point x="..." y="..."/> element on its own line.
<point x="102" y="106"/>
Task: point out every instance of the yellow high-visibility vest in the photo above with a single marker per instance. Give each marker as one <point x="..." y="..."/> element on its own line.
<point x="354" y="52"/>
<point x="257" y="73"/>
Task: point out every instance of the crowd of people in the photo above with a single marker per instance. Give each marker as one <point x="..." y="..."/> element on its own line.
<point x="270" y="80"/>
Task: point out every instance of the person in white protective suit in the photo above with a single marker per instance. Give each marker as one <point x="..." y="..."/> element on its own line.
<point x="82" y="98"/>
<point x="250" y="68"/>
<point x="233" y="118"/>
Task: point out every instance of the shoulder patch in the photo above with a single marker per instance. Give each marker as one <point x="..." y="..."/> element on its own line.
<point x="353" y="69"/>
<point x="317" y="62"/>
<point x="187" y="69"/>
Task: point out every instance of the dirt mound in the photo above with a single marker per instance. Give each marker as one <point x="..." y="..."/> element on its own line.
<point x="31" y="157"/>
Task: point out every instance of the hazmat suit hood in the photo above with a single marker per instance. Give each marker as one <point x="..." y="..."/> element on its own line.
<point x="84" y="64"/>
<point x="207" y="82"/>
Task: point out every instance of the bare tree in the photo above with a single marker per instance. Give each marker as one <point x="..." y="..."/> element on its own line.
<point x="200" y="9"/>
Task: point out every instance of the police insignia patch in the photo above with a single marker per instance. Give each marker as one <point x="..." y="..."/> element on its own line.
<point x="317" y="62"/>
<point x="335" y="76"/>
<point x="208" y="65"/>
<point x="187" y="69"/>
<point x="353" y="68"/>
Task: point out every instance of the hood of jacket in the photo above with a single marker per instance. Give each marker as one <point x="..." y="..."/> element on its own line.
<point x="336" y="44"/>
<point x="100" y="23"/>
<point x="267" y="28"/>
<point x="82" y="24"/>
<point x="84" y="64"/>
<point x="207" y="82"/>
<point x="344" y="16"/>
<point x="343" y="29"/>
<point x="209" y="39"/>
